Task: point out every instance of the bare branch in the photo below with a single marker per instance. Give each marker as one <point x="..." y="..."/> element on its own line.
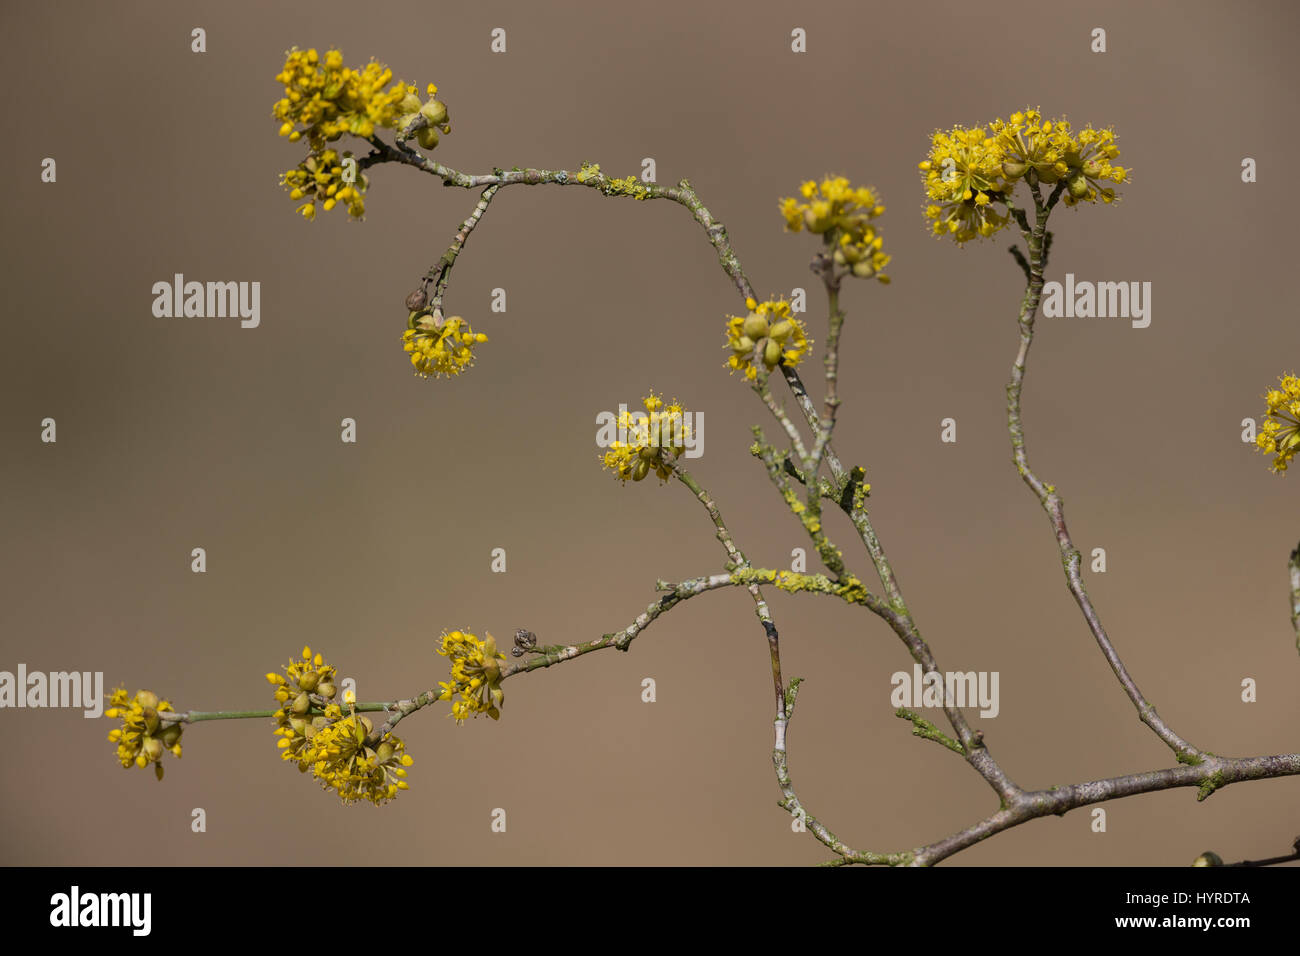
<point x="1212" y="774"/>
<point x="1052" y="502"/>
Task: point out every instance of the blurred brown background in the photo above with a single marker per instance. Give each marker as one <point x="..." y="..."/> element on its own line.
<point x="183" y="433"/>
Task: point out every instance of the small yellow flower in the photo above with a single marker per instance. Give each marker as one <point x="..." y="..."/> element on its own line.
<point x="475" y="685"/>
<point x="1279" y="433"/>
<point x="144" y="736"/>
<point x="655" y="439"/>
<point x="446" y="349"/>
<point x="770" y="335"/>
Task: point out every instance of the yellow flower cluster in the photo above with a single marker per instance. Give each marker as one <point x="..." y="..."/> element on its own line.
<point x="320" y="176"/>
<point x="295" y="723"/>
<point x="344" y="762"/>
<point x="316" y="735"/>
<point x="963" y="175"/>
<point x="842" y="215"/>
<point x="323" y="101"/>
<point x="770" y="334"/>
<point x="968" y="170"/>
<point x="661" y="429"/>
<point x="1055" y="152"/>
<point x="330" y="99"/>
<point x="475" y="687"/>
<point x="143" y="737"/>
<point x="1279" y="434"/>
<point x="447" y="349"/>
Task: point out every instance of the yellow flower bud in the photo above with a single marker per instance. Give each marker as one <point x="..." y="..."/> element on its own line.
<point x="771" y="353"/>
<point x="435" y="111"/>
<point x="755" y="326"/>
<point x="782" y="330"/>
